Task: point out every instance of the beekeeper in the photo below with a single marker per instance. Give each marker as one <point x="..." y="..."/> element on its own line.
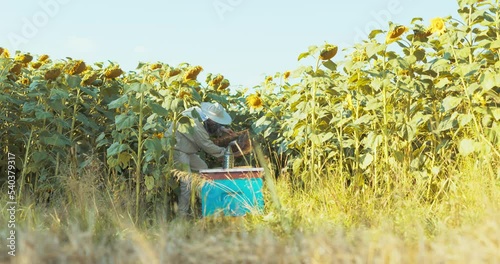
<point x="210" y="122"/>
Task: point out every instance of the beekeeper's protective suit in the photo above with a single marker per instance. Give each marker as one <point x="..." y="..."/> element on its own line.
<point x="209" y="122"/>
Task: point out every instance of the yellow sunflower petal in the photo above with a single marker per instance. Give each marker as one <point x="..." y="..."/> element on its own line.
<point x="437" y="25"/>
<point x="254" y="101"/>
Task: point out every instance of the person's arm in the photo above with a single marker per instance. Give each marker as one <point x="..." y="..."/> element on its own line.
<point x="202" y="140"/>
<point x="225" y="130"/>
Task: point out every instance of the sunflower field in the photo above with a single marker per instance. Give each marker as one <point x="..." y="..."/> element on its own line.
<point x="401" y="115"/>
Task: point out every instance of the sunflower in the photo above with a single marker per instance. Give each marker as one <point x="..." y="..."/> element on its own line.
<point x="158" y="135"/>
<point x="437" y="26"/>
<point x="254" y="101"/>
<point x="192" y="73"/>
<point x="184" y="94"/>
<point x="328" y="52"/>
<point x="359" y="55"/>
<point x="16" y="68"/>
<point x="113" y="72"/>
<point x="286" y="75"/>
<point x="421" y="35"/>
<point x="403" y="72"/>
<point x="23" y="58"/>
<point x="52" y="74"/>
<point x="89" y="78"/>
<point x="25" y="81"/>
<point x="223" y="85"/>
<point x="4" y="53"/>
<point x="44" y="57"/>
<point x="395" y="34"/>
<point x="155" y="66"/>
<point x="36" y="64"/>
<point x="151" y="79"/>
<point x="216" y="81"/>
<point x="77" y="67"/>
<point x="173" y="72"/>
<point x="269" y="79"/>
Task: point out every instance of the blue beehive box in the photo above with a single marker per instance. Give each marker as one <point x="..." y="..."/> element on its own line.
<point x="232" y="192"/>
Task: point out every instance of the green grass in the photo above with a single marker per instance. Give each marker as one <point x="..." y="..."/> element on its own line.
<point x="87" y="221"/>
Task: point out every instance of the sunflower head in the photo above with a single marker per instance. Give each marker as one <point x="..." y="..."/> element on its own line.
<point x="77" y="67"/>
<point x="36" y="64"/>
<point x="52" y="74"/>
<point x="25" y="81"/>
<point x="286" y="75"/>
<point x="113" y="72"/>
<point x="43" y="57"/>
<point x="158" y="135"/>
<point x="395" y="34"/>
<point x="421" y="35"/>
<point x="254" y="101"/>
<point x="328" y="52"/>
<point x="359" y="55"/>
<point x="151" y="79"/>
<point x="23" y="58"/>
<point x="89" y="78"/>
<point x="4" y="53"/>
<point x="16" y="68"/>
<point x="437" y="26"/>
<point x="192" y="74"/>
<point x="173" y="72"/>
<point x="403" y="72"/>
<point x="223" y="85"/>
<point x="184" y="94"/>
<point x="216" y="81"/>
<point x="155" y="66"/>
<point x="269" y="79"/>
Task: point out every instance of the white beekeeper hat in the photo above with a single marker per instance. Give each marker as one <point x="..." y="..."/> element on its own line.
<point x="216" y="112"/>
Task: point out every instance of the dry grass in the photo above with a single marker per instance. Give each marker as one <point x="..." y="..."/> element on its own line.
<point x="331" y="224"/>
<point x="230" y="243"/>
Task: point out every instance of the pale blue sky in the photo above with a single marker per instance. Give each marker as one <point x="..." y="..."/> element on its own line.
<point x="245" y="40"/>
